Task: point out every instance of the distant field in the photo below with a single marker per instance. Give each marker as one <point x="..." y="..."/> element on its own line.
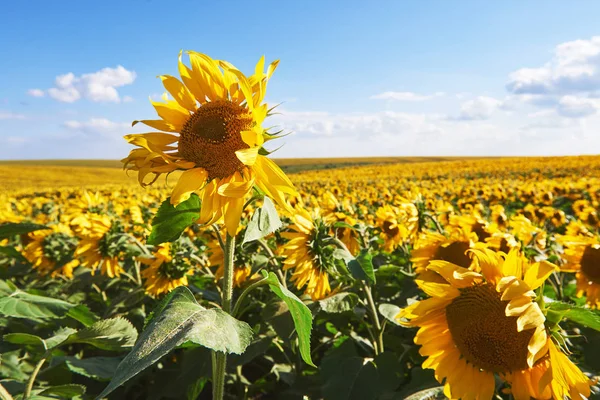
<point x="57" y="173"/>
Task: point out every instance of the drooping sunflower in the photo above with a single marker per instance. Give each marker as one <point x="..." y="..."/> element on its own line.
<point x="212" y="130"/>
<point x="96" y="247"/>
<point x="165" y="270"/>
<point x="480" y="324"/>
<point x="398" y="224"/>
<point x="582" y="254"/>
<point x="51" y="251"/>
<point x="304" y="254"/>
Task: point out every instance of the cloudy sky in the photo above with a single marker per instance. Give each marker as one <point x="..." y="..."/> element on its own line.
<point x="356" y="78"/>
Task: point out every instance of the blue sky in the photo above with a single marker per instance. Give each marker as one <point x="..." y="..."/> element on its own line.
<point x="356" y="78"/>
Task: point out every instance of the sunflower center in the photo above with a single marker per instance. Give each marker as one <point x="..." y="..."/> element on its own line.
<point x="590" y="264"/>
<point x="391" y="229"/>
<point x="455" y="253"/>
<point x="212" y="135"/>
<point x="480" y="231"/>
<point x="482" y="332"/>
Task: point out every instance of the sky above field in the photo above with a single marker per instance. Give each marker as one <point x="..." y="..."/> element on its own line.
<point x="356" y="78"/>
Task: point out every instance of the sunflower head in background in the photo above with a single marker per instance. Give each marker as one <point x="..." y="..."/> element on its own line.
<point x="483" y="322"/>
<point x="212" y="131"/>
<point x="582" y="255"/>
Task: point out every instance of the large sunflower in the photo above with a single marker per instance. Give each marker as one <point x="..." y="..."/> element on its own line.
<point x="582" y="254"/>
<point x="480" y="324"/>
<point x="303" y="253"/>
<point x="212" y="130"/>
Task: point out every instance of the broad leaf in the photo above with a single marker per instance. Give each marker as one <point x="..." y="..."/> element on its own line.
<point x="432" y="393"/>
<point x="362" y="267"/>
<point x="98" y="368"/>
<point x="20" y="304"/>
<point x="83" y="314"/>
<point x="580" y="315"/>
<point x="389" y="311"/>
<point x="300" y="314"/>
<point x="59" y="337"/>
<point x="113" y="334"/>
<point x="25" y="339"/>
<point x="182" y="320"/>
<point x="264" y="221"/>
<point x="12" y="228"/>
<point x="170" y="222"/>
<point x="64" y="391"/>
<point x="339" y="303"/>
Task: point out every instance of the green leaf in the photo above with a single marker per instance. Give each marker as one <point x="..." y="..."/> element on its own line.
<point x="59" y="337"/>
<point x="25" y="339"/>
<point x="349" y="378"/>
<point x="11" y="229"/>
<point x="583" y="316"/>
<point x="362" y="267"/>
<point x="20" y="304"/>
<point x="300" y="314"/>
<point x="170" y="222"/>
<point x="83" y="314"/>
<point x="339" y="303"/>
<point x="11" y="252"/>
<point x="432" y="393"/>
<point x="264" y="221"/>
<point x="64" y="391"/>
<point x="182" y="320"/>
<point x="112" y="334"/>
<point x="98" y="368"/>
<point x="389" y="311"/>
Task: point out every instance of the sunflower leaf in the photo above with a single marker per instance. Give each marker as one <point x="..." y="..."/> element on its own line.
<point x="582" y="316"/>
<point x="300" y="314"/>
<point x="112" y="334"/>
<point x="179" y="321"/>
<point x="11" y="252"/>
<point x="98" y="368"/>
<point x="19" y="304"/>
<point x="339" y="302"/>
<point x="361" y="267"/>
<point x="11" y="229"/>
<point x="264" y="221"/>
<point x="170" y="222"/>
<point x="64" y="391"/>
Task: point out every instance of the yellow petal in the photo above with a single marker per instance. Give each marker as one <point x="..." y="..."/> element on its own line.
<point x="458" y="277"/>
<point x="513" y="264"/>
<point x="190" y="181"/>
<point x="438" y="289"/>
<point x="188" y="80"/>
<point x="511" y="287"/>
<point x="517" y="306"/>
<point x="252" y="138"/>
<point x="233" y="213"/>
<point x="538" y="273"/>
<point x="247" y="156"/>
<point x="159" y="124"/>
<point x="236" y="189"/>
<point x="531" y="318"/>
<point x="179" y="92"/>
<point x="172" y="113"/>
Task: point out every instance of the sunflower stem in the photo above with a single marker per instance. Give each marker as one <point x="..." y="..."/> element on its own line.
<point x="375" y="316"/>
<point x="34" y="375"/>
<point x="220" y="357"/>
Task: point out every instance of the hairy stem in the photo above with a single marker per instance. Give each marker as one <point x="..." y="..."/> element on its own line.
<point x="34" y="374"/>
<point x="375" y="317"/>
<point x="220" y="357"/>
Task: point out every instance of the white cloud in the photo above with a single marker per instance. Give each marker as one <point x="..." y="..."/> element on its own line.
<point x="574" y="69"/>
<point x="16" y="140"/>
<point x="100" y="86"/>
<point x="98" y="126"/>
<point x="406" y="96"/>
<point x="480" y="108"/>
<point x="36" y="92"/>
<point x="10" y="115"/>
<point x="127" y="99"/>
<point x="577" y="107"/>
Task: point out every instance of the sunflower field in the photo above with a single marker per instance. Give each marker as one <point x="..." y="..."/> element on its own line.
<point x="214" y="274"/>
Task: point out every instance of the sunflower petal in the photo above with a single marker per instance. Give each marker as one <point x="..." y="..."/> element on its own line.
<point x="179" y="92"/>
<point x="190" y="181"/>
<point x="538" y="273"/>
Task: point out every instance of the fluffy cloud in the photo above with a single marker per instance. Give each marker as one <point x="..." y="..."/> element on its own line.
<point x="36" y="92"/>
<point x="98" y="126"/>
<point x="480" y="108"/>
<point x="406" y="96"/>
<point x="577" y="107"/>
<point x="10" y="115"/>
<point x="100" y="86"/>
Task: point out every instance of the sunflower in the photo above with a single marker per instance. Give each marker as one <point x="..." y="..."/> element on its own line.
<point x="582" y="254"/>
<point x="97" y="248"/>
<point x="165" y="271"/>
<point x="51" y="251"/>
<point x="334" y="211"/>
<point x="212" y="130"/>
<point x="304" y="253"/>
<point x="480" y="324"/>
<point x="474" y="224"/>
<point x="398" y="224"/>
<point x="435" y="246"/>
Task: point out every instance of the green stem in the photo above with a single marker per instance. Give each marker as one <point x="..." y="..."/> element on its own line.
<point x="245" y="293"/>
<point x="375" y="316"/>
<point x="220" y="357"/>
<point x="34" y="374"/>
